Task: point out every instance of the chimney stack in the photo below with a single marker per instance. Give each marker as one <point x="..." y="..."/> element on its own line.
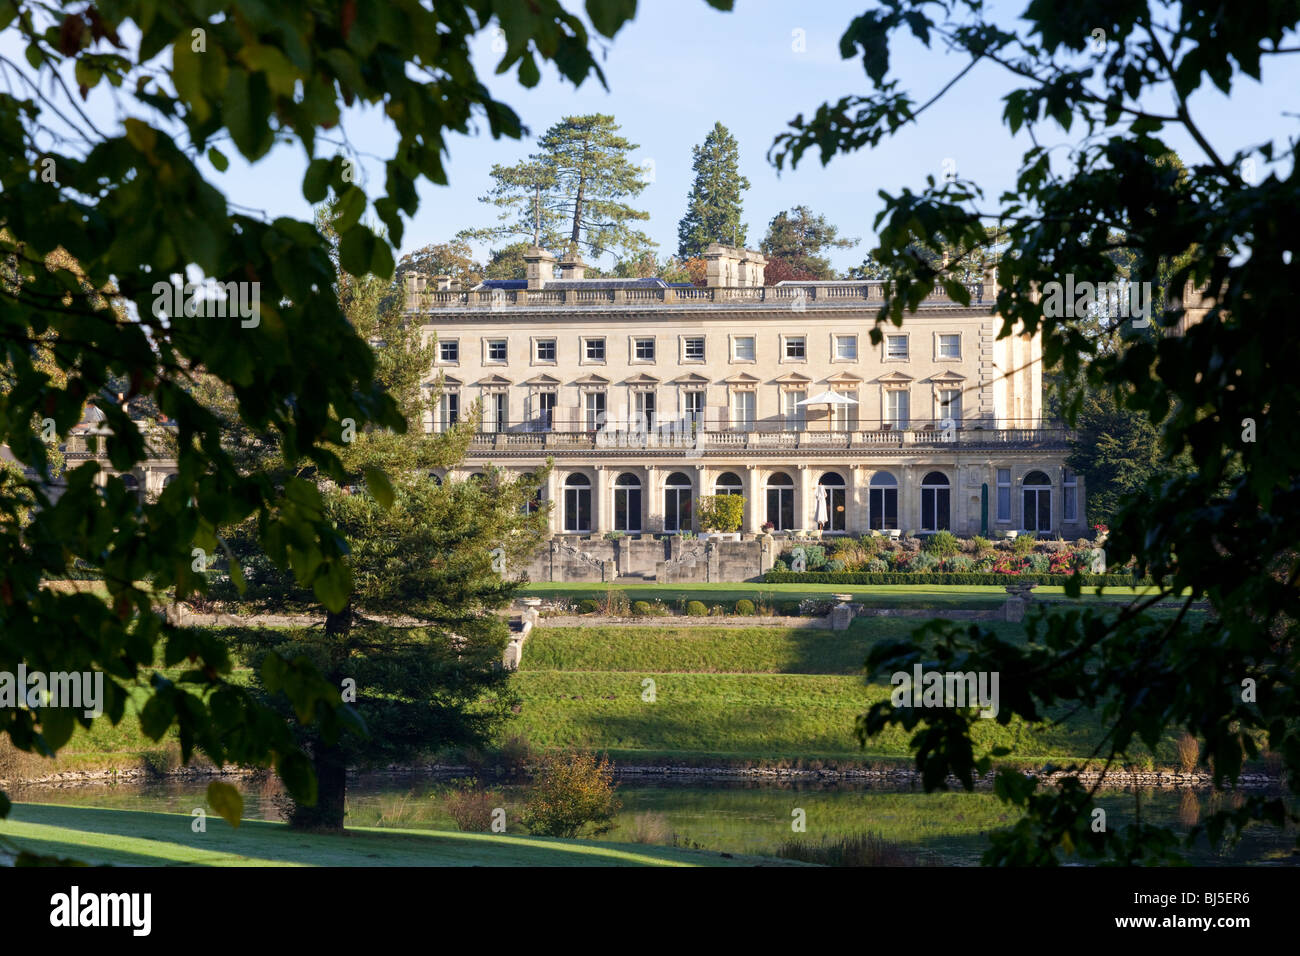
<point x="540" y="266"/>
<point x="572" y="267"/>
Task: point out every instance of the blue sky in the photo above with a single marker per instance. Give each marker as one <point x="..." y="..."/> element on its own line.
<point x="680" y="66"/>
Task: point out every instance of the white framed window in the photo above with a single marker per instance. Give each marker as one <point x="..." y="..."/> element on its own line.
<point x="593" y="404"/>
<point x="495" y="351"/>
<point x="449" y="409"/>
<point x="898" y="407"/>
<point x="794" y="348"/>
<point x="948" y="345"/>
<point x="693" y="405"/>
<point x="844" y="418"/>
<point x="645" y="409"/>
<point x="593" y="350"/>
<point x="1004" y="494"/>
<point x="643" y="349"/>
<point x="743" y="404"/>
<point x="845" y="348"/>
<point x="743" y="348"/>
<point x="449" y="351"/>
<point x="896" y="347"/>
<point x="1070" y="495"/>
<point x="544" y="350"/>
<point x="693" y="348"/>
<point x="949" y="405"/>
<point x="496" y="411"/>
<point x="794" y="414"/>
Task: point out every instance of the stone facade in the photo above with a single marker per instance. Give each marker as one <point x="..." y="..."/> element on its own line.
<point x="645" y="396"/>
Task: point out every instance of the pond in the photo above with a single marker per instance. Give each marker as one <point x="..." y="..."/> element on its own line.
<point x="752" y="817"/>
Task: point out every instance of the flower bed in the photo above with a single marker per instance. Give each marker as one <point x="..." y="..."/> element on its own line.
<point x="940" y="577"/>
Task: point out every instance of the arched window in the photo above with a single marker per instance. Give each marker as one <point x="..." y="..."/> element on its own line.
<point x="627" y="502"/>
<point x="883" y="501"/>
<point x="780" y="501"/>
<point x="169" y="479"/>
<point x="728" y="483"/>
<point x="1036" y="496"/>
<point x="936" y="514"/>
<point x="677" y="502"/>
<point x="835" y="516"/>
<point x="435" y="478"/>
<point x="577" y="503"/>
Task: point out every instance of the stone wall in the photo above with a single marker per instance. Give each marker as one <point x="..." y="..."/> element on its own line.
<point x="668" y="560"/>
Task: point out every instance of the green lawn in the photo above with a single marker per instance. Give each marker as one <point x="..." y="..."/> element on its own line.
<point x="873" y="595"/>
<point x="126" y="837"/>
<point x="741" y="717"/>
<point x="680" y="648"/>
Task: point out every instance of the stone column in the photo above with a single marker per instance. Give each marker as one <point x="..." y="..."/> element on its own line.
<point x="802" y="513"/>
<point x="702" y="476"/>
<point x="855" y="522"/>
<point x="602" y="505"/>
<point x="909" y="500"/>
<point x="556" y="497"/>
<point x="754" y="517"/>
<point x="653" y="498"/>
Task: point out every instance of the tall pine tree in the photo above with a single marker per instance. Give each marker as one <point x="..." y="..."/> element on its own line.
<point x="570" y="195"/>
<point x="714" y="207"/>
<point x="795" y="241"/>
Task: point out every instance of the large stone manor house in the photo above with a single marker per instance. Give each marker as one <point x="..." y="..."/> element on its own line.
<point x="647" y="395"/>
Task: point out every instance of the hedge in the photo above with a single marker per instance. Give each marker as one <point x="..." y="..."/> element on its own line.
<point x="970" y="577"/>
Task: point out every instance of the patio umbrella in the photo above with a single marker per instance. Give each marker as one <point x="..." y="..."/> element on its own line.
<point x="828" y="398"/>
<point x="822" y="513"/>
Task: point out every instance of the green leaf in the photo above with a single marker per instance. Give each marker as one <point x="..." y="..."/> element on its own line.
<point x="218" y="159"/>
<point x="296" y="772"/>
<point x="607" y="16"/>
<point x="380" y="487"/>
<point x="356" y="250"/>
<point x="226" y="801"/>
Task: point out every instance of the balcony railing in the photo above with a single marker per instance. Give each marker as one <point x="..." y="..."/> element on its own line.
<point x="787" y="296"/>
<point x="725" y="436"/>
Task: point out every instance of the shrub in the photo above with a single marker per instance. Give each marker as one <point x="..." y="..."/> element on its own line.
<point x="651" y="828"/>
<point x="723" y="513"/>
<point x="745" y="606"/>
<point x="571" y="792"/>
<point x="1189" y="752"/>
<point x="716" y="610"/>
<point x="870" y="543"/>
<point x="790" y="608"/>
<point x="923" y="561"/>
<point x="642" y="608"/>
<point x="942" y="544"/>
<point x="1039" y="563"/>
<point x="1023" y="544"/>
<point x="815" y="555"/>
<point x="472" y="809"/>
<point x="982" y="544"/>
<point x="877" y="566"/>
<point x="780" y="565"/>
<point x="861" y="849"/>
<point x="836" y="565"/>
<point x="960" y="563"/>
<point x="697" y="608"/>
<point x="615" y="604"/>
<point x="588" y="606"/>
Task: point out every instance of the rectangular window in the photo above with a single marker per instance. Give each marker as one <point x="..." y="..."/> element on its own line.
<point x="950" y="405"/>
<point x="645" y="410"/>
<point x="449" y="351"/>
<point x="544" y="415"/>
<point x="1070" y="498"/>
<point x="742" y="411"/>
<point x="896" y="346"/>
<point x="594" y="349"/>
<point x="845" y="417"/>
<point x="693" y="349"/>
<point x="694" y="400"/>
<point x="496" y="350"/>
<point x="744" y="348"/>
<point x="796" y="348"/>
<point x="450" y="409"/>
<point x="546" y="350"/>
<point x="950" y="346"/>
<point x="594" y="407"/>
<point x="846" y="348"/>
<point x="897" y="408"/>
<point x="643" y="350"/>
<point x="496" y="417"/>
<point x="795" y="414"/>
<point x="1004" y="494"/>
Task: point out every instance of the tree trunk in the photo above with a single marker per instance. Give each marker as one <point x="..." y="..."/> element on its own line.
<point x="577" y="218"/>
<point x="328" y="760"/>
